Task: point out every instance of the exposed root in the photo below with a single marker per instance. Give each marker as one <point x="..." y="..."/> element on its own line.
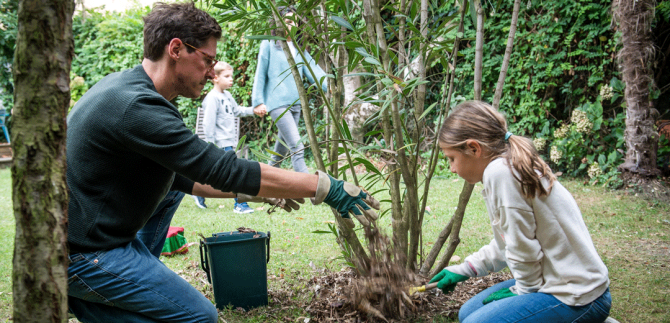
<point x="365" y="307"/>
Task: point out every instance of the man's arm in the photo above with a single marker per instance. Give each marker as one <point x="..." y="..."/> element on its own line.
<point x="276" y="182"/>
<point x="205" y="190"/>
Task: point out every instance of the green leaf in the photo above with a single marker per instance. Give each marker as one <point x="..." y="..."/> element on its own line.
<point x="264" y="37"/>
<point x="372" y="133"/>
<point x="272" y="152"/>
<point x="342" y="22"/>
<point x="430" y="108"/>
<point x="362" y="51"/>
<point x="362" y="74"/>
<point x="368" y="165"/>
<point x="321" y="232"/>
<point x="372" y="60"/>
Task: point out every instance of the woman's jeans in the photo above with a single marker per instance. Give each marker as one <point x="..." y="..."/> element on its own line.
<point x="535" y="307"/>
<point x="289" y="136"/>
<point x="130" y="283"/>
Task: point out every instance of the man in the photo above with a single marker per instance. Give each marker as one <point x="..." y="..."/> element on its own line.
<point x="128" y="148"/>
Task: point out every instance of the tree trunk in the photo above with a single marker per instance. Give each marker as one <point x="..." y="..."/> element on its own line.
<point x="375" y="33"/>
<point x="453" y="228"/>
<point x="44" y="50"/>
<point x="416" y="220"/>
<point x="446" y="232"/>
<point x="635" y="59"/>
<point x="508" y="54"/>
<point x="479" y="50"/>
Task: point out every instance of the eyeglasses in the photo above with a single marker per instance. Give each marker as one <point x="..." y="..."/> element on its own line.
<point x="210" y="62"/>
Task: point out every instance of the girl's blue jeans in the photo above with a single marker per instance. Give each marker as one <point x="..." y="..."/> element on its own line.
<point x="130" y="283"/>
<point x="289" y="137"/>
<point x="535" y="307"/>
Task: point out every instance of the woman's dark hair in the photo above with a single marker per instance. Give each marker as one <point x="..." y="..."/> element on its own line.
<point x="177" y="20"/>
<point x="476" y="120"/>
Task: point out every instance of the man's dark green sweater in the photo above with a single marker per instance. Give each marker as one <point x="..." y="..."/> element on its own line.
<point x="126" y="148"/>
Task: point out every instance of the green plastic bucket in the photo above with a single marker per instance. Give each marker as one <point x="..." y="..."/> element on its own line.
<point x="236" y="265"/>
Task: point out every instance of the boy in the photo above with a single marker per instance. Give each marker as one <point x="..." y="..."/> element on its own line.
<point x="220" y="110"/>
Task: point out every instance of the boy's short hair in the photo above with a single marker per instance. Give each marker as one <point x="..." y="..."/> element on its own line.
<point x="221" y="66"/>
<point x="177" y="20"/>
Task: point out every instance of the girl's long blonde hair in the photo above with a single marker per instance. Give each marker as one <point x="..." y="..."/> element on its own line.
<point x="476" y="120"/>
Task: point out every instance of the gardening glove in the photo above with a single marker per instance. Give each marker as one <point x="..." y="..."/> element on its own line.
<point x="503" y="293"/>
<point x="346" y="198"/>
<point x="286" y="204"/>
<point x="446" y="280"/>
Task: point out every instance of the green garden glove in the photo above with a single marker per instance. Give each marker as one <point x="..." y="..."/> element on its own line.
<point x="503" y="293"/>
<point x="346" y="198"/>
<point x="446" y="280"/>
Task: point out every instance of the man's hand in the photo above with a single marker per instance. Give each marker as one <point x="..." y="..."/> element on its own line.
<point x="346" y="198"/>
<point x="286" y="204"/>
<point x="446" y="280"/>
<point x="260" y="110"/>
<point x="503" y="293"/>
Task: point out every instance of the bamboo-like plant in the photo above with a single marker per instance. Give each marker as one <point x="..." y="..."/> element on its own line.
<point x="391" y="45"/>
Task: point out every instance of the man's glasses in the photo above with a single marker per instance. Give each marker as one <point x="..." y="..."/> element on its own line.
<point x="210" y="62"/>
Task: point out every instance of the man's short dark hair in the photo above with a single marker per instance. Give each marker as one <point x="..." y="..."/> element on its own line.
<point x="177" y="20"/>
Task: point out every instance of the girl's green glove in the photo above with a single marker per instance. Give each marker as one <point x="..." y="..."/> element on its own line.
<point x="446" y="280"/>
<point x="503" y="293"/>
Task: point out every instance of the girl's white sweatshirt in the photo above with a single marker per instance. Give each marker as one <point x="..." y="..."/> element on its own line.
<point x="542" y="240"/>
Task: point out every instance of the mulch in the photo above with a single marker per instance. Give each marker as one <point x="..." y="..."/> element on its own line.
<point x="331" y="301"/>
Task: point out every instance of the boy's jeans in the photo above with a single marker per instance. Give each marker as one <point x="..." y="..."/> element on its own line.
<point x="289" y="134"/>
<point x="130" y="283"/>
<point x="535" y="307"/>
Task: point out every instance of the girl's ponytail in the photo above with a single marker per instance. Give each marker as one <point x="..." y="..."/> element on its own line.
<point x="523" y="157"/>
<point x="476" y="120"/>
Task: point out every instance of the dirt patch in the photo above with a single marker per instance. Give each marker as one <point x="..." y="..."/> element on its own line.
<point x="657" y="189"/>
<point x="331" y="304"/>
<point x="380" y="293"/>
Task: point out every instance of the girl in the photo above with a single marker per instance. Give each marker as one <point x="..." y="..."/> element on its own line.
<point x="276" y="91"/>
<point x="538" y="229"/>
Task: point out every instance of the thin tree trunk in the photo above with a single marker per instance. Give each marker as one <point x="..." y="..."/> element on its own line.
<point x="44" y="50"/>
<point x="376" y="35"/>
<point x="416" y="220"/>
<point x="635" y="59"/>
<point x="479" y="50"/>
<point x="454" y="238"/>
<point x="437" y="246"/>
<point x="362" y="258"/>
<point x="508" y="54"/>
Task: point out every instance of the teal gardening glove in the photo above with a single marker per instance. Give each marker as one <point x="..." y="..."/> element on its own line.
<point x="446" y="280"/>
<point x="346" y="198"/>
<point x="503" y="293"/>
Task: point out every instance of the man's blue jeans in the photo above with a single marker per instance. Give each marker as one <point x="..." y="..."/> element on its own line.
<point x="130" y="283"/>
<point x="290" y="136"/>
<point x="535" y="307"/>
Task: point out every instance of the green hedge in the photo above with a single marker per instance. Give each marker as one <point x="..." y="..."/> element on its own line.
<point x="564" y="54"/>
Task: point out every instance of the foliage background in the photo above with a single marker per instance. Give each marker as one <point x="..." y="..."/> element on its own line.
<point x="564" y="57"/>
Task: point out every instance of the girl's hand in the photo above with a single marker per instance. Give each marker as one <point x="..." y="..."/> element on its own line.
<point x="446" y="280"/>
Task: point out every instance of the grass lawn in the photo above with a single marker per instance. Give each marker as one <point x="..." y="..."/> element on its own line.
<point x="632" y="236"/>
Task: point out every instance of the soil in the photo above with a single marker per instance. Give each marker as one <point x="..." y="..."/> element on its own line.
<point x="380" y="293"/>
<point x="656" y="189"/>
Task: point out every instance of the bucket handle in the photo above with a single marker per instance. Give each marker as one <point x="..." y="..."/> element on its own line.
<point x="268" y="244"/>
<point x="203" y="260"/>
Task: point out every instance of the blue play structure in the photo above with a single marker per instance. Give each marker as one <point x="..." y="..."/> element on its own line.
<point x="3" y="115"/>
